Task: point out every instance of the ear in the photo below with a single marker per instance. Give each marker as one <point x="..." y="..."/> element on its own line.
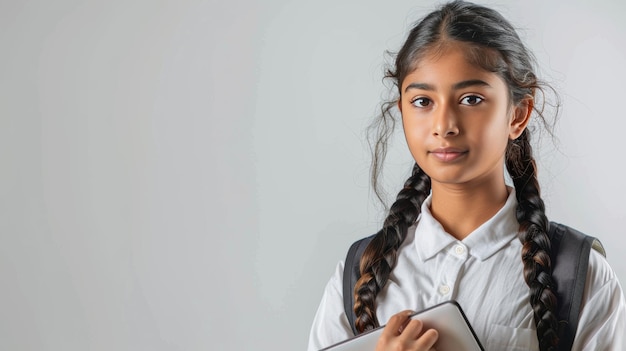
<point x="399" y="102"/>
<point x="520" y="117"/>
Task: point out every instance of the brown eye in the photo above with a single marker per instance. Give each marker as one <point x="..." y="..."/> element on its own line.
<point x="421" y="102"/>
<point x="471" y="100"/>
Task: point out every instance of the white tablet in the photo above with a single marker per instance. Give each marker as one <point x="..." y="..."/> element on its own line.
<point x="455" y="331"/>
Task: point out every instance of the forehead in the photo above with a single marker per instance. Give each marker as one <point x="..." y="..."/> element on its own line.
<point x="455" y="61"/>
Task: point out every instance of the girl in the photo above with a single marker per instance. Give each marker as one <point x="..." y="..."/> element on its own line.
<point x="466" y="93"/>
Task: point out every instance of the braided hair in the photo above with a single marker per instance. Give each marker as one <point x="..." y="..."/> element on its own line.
<point x="536" y="243"/>
<point x="496" y="47"/>
<point x="381" y="255"/>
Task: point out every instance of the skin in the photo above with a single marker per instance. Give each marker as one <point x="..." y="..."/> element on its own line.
<point x="457" y="119"/>
<point x="402" y="333"/>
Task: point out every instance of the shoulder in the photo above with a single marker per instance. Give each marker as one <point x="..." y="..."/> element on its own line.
<point x="599" y="272"/>
<point x="330" y="324"/>
<point x="573" y="248"/>
<point x="336" y="280"/>
<point x="603" y="309"/>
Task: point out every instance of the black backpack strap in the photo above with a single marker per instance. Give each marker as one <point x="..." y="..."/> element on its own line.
<point x="570" y="260"/>
<point x="352" y="273"/>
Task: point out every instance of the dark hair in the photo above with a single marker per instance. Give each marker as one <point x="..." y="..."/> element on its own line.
<point x="494" y="45"/>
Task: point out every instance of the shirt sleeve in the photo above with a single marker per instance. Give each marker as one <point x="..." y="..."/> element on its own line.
<point x="602" y="319"/>
<point x="330" y="324"/>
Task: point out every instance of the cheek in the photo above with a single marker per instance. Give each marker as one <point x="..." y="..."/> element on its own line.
<point x="494" y="139"/>
<point x="412" y="130"/>
<point x="414" y="123"/>
<point x="414" y="133"/>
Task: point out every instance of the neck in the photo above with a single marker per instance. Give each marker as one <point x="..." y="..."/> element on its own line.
<point x="462" y="209"/>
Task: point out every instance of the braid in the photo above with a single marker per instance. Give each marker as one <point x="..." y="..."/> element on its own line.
<point x="380" y="256"/>
<point x="536" y="243"/>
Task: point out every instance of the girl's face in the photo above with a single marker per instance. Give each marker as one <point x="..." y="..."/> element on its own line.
<point x="457" y="118"/>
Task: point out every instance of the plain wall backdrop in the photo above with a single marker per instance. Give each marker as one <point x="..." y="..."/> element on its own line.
<point x="185" y="175"/>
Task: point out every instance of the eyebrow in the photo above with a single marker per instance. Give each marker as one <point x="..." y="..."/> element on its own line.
<point x="457" y="86"/>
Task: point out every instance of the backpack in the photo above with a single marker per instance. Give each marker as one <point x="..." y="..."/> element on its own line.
<point x="570" y="259"/>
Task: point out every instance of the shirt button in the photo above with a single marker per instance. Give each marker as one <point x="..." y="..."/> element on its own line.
<point x="444" y="289"/>
<point x="459" y="250"/>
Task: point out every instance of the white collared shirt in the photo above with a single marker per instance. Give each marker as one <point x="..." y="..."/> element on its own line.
<point x="483" y="272"/>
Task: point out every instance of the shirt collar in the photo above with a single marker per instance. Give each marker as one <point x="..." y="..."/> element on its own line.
<point x="484" y="241"/>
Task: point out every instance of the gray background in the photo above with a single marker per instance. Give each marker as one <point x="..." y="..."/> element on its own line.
<point x="185" y="175"/>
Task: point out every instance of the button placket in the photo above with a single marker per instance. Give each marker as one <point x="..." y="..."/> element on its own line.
<point x="456" y="257"/>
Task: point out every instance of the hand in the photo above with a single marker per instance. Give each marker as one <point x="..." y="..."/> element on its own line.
<point x="404" y="334"/>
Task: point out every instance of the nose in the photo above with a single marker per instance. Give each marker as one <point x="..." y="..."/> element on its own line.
<point x="445" y="123"/>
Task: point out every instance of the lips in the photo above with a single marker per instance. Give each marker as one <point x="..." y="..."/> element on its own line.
<point x="448" y="154"/>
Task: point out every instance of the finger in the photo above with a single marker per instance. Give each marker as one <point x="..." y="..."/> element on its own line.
<point x="412" y="330"/>
<point x="427" y="340"/>
<point x="396" y="323"/>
